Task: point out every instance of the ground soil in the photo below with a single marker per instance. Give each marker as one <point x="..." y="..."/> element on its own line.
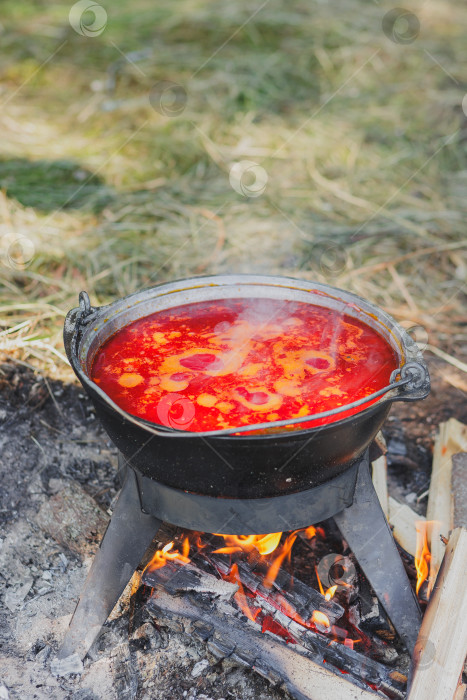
<point x="49" y="440"/>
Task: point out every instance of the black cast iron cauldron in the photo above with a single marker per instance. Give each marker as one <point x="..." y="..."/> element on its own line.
<point x="218" y="463"/>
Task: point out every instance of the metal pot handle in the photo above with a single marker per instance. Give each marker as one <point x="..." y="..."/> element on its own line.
<point x="412" y="384"/>
<point x="85" y="308"/>
<point x="413" y="374"/>
<point x="413" y="377"/>
<point x="75" y="319"/>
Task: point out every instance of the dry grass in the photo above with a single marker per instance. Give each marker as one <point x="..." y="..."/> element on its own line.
<point x="363" y="141"/>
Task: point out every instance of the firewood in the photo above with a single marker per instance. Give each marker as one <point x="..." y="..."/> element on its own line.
<point x="381" y="443"/>
<point x="403" y="521"/>
<point x="183" y="579"/>
<point x="369" y="617"/>
<point x="303" y="598"/>
<point x="459" y="489"/>
<point x="230" y="638"/>
<point x="380" y="481"/>
<point x="452" y="438"/>
<point x="331" y="652"/>
<point x="210" y="604"/>
<point x="442" y="643"/>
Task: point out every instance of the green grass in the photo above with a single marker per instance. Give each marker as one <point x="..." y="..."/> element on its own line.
<point x="363" y="141"/>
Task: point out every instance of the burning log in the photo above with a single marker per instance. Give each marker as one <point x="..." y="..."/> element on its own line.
<point x="368" y="615"/>
<point x="228" y="636"/>
<point x="305" y="600"/>
<point x="292" y="599"/>
<point x="452" y="438"/>
<point x="179" y="579"/>
<point x="442" y="643"/>
<point x="342" y="657"/>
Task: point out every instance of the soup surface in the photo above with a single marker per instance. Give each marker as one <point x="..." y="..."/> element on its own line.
<point x="221" y="364"/>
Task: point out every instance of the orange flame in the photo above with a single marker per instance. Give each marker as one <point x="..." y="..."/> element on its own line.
<point x="240" y="597"/>
<point x="320" y="619"/>
<point x="135" y="582"/>
<point x="265" y="544"/>
<point x="310" y="532"/>
<point x="268" y="543"/>
<point x="321" y="589"/>
<point x="422" y="554"/>
<point x="186" y="548"/>
<point x="162" y="556"/>
<point x="199" y="544"/>
<point x="277" y="563"/>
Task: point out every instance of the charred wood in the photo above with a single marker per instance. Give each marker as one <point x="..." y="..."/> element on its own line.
<point x="228" y="637"/>
<point x="304" y="599"/>
<point x="217" y="620"/>
<point x="372" y="617"/>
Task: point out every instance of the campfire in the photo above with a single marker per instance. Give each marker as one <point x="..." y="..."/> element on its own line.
<point x="340" y="623"/>
<point x="323" y="622"/>
<point x="258" y="575"/>
<point x="286" y="562"/>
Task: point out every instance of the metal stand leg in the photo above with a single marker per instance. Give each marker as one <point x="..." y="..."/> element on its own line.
<point x="128" y="535"/>
<point x="365" y="528"/>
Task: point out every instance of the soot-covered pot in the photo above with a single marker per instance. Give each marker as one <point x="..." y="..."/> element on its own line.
<point x="229" y="463"/>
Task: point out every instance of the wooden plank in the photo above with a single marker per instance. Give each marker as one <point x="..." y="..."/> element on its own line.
<point x="442" y="643"/>
<point x="381" y="443"/>
<point x="403" y="521"/>
<point x="452" y="438"/>
<point x="380" y="482"/>
<point x="379" y="468"/>
<point x="459" y="489"/>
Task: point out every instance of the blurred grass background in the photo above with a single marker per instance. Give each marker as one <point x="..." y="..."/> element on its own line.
<point x="363" y="140"/>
